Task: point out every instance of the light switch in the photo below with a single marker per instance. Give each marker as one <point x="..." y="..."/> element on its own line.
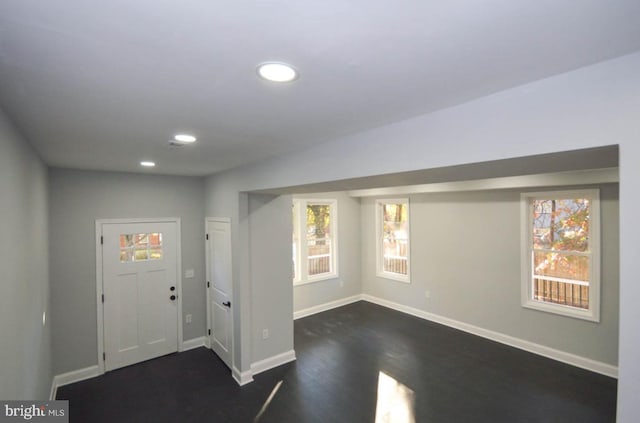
<point x="189" y="273"/>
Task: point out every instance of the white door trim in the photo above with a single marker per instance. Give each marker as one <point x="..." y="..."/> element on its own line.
<point x="99" y="285"/>
<point x="207" y="287"/>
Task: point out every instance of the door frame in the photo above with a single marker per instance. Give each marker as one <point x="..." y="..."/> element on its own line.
<point x="208" y="288"/>
<point x="99" y="278"/>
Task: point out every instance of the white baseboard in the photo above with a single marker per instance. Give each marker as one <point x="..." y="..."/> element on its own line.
<point x="194" y="343"/>
<point x="242" y="378"/>
<point x="271" y="362"/>
<point x="73" y="377"/>
<point x="565" y="357"/>
<point x="326" y="306"/>
<point x="93" y="371"/>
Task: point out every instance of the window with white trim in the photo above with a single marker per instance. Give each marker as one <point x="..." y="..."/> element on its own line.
<point x="561" y="252"/>
<point x="315" y="239"/>
<point x="392" y="239"/>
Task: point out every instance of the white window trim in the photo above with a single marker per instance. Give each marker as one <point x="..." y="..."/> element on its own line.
<point x="379" y="235"/>
<point x="300" y="207"/>
<point x="526" y="209"/>
<point x="296" y="233"/>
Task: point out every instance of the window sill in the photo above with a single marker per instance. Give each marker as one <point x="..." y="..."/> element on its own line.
<point x="567" y="311"/>
<point x="394" y="276"/>
<point x="316" y="279"/>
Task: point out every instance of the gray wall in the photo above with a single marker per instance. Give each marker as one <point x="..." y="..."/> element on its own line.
<point x="348" y="282"/>
<point x="77" y="199"/>
<point x="465" y="250"/>
<point x="25" y="351"/>
<point x="270" y="225"/>
<point x="590" y="107"/>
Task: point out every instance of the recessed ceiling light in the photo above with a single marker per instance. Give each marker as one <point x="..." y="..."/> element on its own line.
<point x="277" y="72"/>
<point x="185" y="138"/>
<point x="147" y="163"/>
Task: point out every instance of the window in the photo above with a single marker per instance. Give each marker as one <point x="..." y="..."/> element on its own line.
<point x="561" y="253"/>
<point x="392" y="233"/>
<point x="140" y="247"/>
<point x="315" y="224"/>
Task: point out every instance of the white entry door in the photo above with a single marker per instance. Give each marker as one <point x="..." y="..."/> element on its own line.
<point x="140" y="275"/>
<point x="219" y="292"/>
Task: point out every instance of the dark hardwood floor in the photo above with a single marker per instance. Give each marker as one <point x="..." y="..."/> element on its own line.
<point x="354" y="363"/>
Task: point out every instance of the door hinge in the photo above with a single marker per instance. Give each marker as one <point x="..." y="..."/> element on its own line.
<point x="104" y="356"/>
<point x="208" y="284"/>
<point x="206" y="236"/>
<point x="103" y="298"/>
<point x="101" y="240"/>
<point x="209" y="331"/>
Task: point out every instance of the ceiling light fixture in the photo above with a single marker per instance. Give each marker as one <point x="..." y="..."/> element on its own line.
<point x="147" y="163"/>
<point x="277" y="72"/>
<point x="186" y="138"/>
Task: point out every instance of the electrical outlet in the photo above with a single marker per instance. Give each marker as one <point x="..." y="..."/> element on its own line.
<point x="341" y="283"/>
<point x="265" y="333"/>
<point x="427" y="294"/>
<point x="188" y="318"/>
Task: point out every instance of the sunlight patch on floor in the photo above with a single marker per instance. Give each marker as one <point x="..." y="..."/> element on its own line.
<point x="395" y="401"/>
<point x="273" y="393"/>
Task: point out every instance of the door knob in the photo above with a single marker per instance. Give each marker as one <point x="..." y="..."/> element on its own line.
<point x="227" y="303"/>
<point x="173" y="297"/>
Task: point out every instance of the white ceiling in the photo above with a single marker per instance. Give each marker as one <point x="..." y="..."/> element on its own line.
<point x="105" y="84"/>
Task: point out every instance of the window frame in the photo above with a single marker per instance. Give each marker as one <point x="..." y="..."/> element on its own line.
<point x="301" y="262"/>
<point x="526" y="223"/>
<point x="380" y="272"/>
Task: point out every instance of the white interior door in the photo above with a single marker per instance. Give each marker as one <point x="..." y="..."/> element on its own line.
<point x="219" y="283"/>
<point x="140" y="275"/>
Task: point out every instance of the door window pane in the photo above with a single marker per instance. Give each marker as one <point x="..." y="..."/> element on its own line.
<point x="140" y="247"/>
